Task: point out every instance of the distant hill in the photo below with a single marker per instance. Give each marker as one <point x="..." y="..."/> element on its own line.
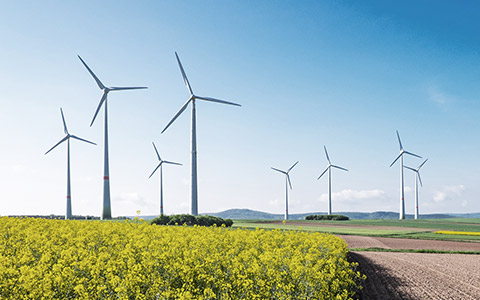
<point x="259" y="215"/>
<point x="253" y="214"/>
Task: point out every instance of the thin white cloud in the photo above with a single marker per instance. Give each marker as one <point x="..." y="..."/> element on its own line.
<point x="449" y="193"/>
<point x="132" y="198"/>
<point x="351" y="195"/>
<point x="274" y="202"/>
<point x="439" y="97"/>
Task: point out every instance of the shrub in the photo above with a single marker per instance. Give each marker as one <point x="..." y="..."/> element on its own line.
<point x="191" y="220"/>
<point x="327" y="217"/>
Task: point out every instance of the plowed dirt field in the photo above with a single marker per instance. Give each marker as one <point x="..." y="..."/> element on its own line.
<point x="392" y="275"/>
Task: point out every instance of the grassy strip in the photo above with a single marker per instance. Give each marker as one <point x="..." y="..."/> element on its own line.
<point x="375" y="249"/>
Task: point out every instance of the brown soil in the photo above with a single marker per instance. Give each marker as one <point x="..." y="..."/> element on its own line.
<point x="392" y="275"/>
<point x="354" y="241"/>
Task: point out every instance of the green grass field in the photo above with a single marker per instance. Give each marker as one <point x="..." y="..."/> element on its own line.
<point x="415" y="229"/>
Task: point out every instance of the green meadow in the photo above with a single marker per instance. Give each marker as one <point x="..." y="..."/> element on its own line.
<point x="414" y="229"/>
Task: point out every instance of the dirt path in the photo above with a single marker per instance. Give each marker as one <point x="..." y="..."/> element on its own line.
<point x="354" y="241"/>
<point x="393" y="275"/>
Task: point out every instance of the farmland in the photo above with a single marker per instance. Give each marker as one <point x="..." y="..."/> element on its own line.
<point x="406" y="259"/>
<point x="59" y="259"/>
<point x="411" y="229"/>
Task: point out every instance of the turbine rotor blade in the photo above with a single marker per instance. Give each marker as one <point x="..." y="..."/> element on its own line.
<point x="172" y="163"/>
<point x="275" y="169"/>
<point x="104" y="97"/>
<point x="83" y="140"/>
<point x="185" y="79"/>
<point x="339" y="168"/>
<point x="156" y="151"/>
<point x="406" y="167"/>
<point x="401" y="153"/>
<point x="99" y="83"/>
<point x="292" y="166"/>
<point x="399" y="141"/>
<point x="289" y="182"/>
<point x="155" y="169"/>
<point x="420" y="179"/>
<point x="178" y="114"/>
<point x="422" y="164"/>
<point x="412" y="154"/>
<point x="323" y="172"/>
<point x="216" y="100"/>
<point x="61" y="141"/>
<point x="116" y="88"/>
<point x="64" y="123"/>
<point x="326" y="154"/>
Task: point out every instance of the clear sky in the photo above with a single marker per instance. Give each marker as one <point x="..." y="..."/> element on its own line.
<point x="345" y="74"/>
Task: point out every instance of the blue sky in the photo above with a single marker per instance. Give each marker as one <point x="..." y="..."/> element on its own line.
<point x="344" y="74"/>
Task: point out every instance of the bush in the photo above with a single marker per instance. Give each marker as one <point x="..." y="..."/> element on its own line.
<point x="191" y="220"/>
<point x="327" y="217"/>
<point x="162" y="220"/>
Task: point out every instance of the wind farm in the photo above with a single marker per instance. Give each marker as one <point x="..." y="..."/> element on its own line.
<point x="295" y="105"/>
<point x="385" y="84"/>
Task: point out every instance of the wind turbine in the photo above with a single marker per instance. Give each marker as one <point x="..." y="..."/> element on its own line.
<point x="402" y="192"/>
<point x="329" y="169"/>
<point x="160" y="165"/>
<point x="107" y="211"/>
<point x="287" y="183"/>
<point x="191" y="100"/>
<point x="417" y="179"/>
<point x="68" y="214"/>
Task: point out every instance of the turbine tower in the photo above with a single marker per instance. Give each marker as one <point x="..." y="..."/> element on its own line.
<point x="287" y="183"/>
<point x="402" y="192"/>
<point x="68" y="214"/>
<point x="417" y="179"/>
<point x="107" y="211"/>
<point x="329" y="169"/>
<point x="160" y="165"/>
<point x="192" y="100"/>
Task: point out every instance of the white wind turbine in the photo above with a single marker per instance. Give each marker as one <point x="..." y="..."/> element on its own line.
<point x="191" y="100"/>
<point x="107" y="211"/>
<point x="68" y="214"/>
<point x="160" y="165"/>
<point x="329" y="169"/>
<point x="417" y="179"/>
<point x="402" y="192"/>
<point x="287" y="183"/>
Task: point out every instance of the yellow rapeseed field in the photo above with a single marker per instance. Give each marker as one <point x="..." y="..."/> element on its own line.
<point x="471" y="233"/>
<point x="57" y="259"/>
